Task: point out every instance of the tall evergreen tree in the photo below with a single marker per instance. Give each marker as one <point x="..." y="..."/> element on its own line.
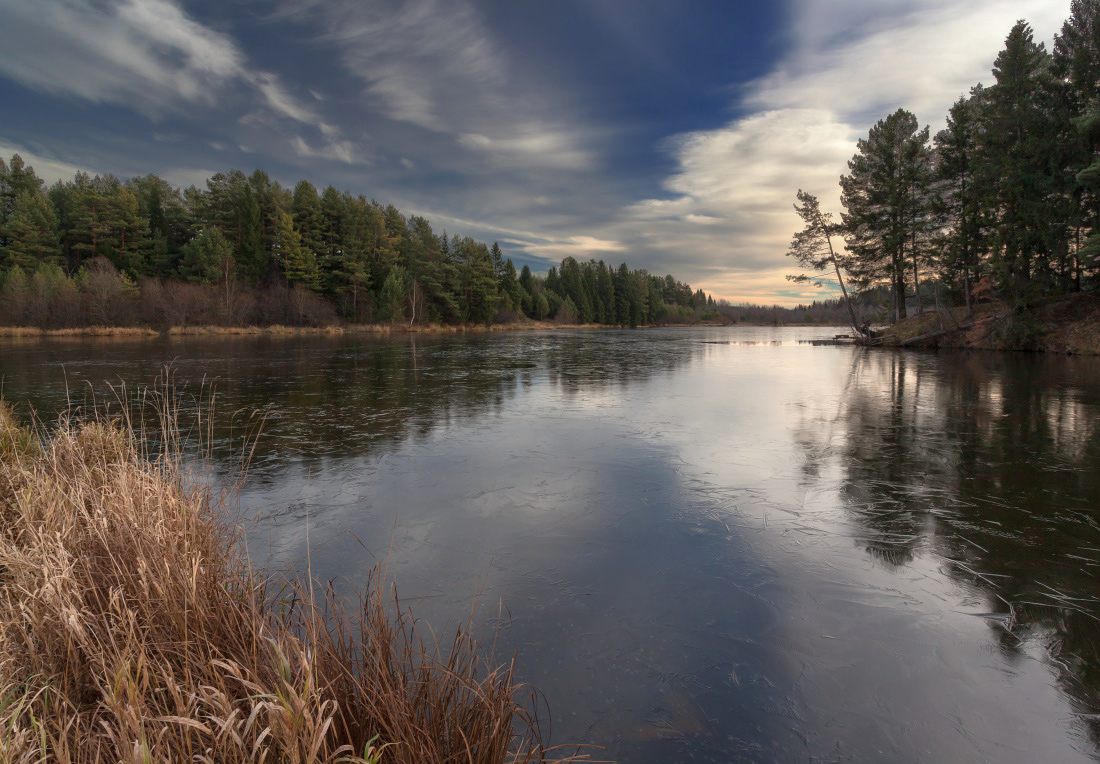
<point x="887" y="203"/>
<point x="298" y="262"/>
<point x="167" y="221"/>
<point x="1076" y="62"/>
<point x="606" y="288"/>
<point x="208" y="257"/>
<point x="962" y="187"/>
<point x="30" y="233"/>
<point x="1028" y="194"/>
<point x="15" y="178"/>
<point x="624" y="295"/>
<point x="478" y="298"/>
<point x="309" y="219"/>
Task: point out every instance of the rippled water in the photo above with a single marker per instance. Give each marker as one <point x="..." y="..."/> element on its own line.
<point x="709" y="544"/>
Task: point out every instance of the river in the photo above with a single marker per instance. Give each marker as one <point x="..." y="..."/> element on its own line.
<point x="705" y="544"/>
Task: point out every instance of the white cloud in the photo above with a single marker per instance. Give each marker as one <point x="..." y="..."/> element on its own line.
<point x="334" y="150"/>
<point x="280" y="101"/>
<point x="532" y="146"/>
<point x="920" y="57"/>
<point x="580" y="247"/>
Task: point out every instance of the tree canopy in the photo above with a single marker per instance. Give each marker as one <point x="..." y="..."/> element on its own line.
<point x="273" y="254"/>
<point x="1006" y="196"/>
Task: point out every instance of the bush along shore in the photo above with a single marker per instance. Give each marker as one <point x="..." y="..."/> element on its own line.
<point x="132" y="628"/>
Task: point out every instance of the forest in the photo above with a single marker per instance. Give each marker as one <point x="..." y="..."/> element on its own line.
<point x="248" y="251"/>
<point x="1002" y="203"/>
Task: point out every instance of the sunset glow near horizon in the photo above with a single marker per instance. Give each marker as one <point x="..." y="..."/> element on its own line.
<point x="672" y="136"/>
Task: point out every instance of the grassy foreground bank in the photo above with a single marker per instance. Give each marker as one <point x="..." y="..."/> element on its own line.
<point x="133" y="629"/>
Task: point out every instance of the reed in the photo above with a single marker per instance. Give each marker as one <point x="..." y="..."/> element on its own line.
<point x="134" y="629"/>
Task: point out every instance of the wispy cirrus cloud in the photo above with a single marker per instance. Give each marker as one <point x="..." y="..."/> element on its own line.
<point x="149" y="56"/>
<point x="434" y="65"/>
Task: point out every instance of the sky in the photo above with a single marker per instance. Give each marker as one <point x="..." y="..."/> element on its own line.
<point x="668" y="134"/>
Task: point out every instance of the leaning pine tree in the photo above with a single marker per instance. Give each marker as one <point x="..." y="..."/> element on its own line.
<point x="813" y="248"/>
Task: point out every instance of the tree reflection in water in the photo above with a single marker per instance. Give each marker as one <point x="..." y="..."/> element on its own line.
<point x="989" y="463"/>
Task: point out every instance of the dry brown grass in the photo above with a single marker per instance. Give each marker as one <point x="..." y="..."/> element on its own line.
<point x="83" y="331"/>
<point x="276" y="329"/>
<point x="31" y="333"/>
<point x="133" y="629"/>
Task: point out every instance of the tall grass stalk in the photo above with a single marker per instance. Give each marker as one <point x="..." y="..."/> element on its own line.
<point x="133" y="629"/>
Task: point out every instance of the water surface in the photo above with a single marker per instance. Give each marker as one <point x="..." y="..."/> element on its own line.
<point x="709" y="544"/>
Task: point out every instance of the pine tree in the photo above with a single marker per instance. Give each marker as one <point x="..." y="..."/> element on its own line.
<point x="330" y="239"/>
<point x="887" y="204"/>
<point x="208" y="257"/>
<point x="391" y="299"/>
<point x="299" y="264"/>
<point x="167" y="220"/>
<point x="309" y="219"/>
<point x="509" y="285"/>
<point x="15" y="178"/>
<point x="478" y="298"/>
<point x="606" y="289"/>
<point x="962" y="186"/>
<point x="30" y="232"/>
<point x="573" y="287"/>
<point x="251" y="254"/>
<point x="1028" y="193"/>
<point x="1076" y="62"/>
<point x="623" y="296"/>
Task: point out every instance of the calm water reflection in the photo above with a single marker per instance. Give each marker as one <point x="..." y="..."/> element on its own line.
<point x="711" y="545"/>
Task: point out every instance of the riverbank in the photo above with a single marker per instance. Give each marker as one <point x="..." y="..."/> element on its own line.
<point x="1067" y="325"/>
<point x="133" y="628"/>
<point x="27" y="332"/>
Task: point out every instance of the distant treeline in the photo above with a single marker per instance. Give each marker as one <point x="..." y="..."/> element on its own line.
<point x="1004" y="201"/>
<point x="245" y="250"/>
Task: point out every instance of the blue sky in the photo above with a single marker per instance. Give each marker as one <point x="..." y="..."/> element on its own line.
<point x="670" y="134"/>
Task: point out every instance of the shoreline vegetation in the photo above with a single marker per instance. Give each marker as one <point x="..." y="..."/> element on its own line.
<point x="32" y="332"/>
<point x="133" y="628"/>
<point x="993" y="222"/>
<point x="247" y="251"/>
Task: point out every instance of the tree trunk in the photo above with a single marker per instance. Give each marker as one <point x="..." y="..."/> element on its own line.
<point x="916" y="272"/>
<point x="966" y="287"/>
<point x="840" y="279"/>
